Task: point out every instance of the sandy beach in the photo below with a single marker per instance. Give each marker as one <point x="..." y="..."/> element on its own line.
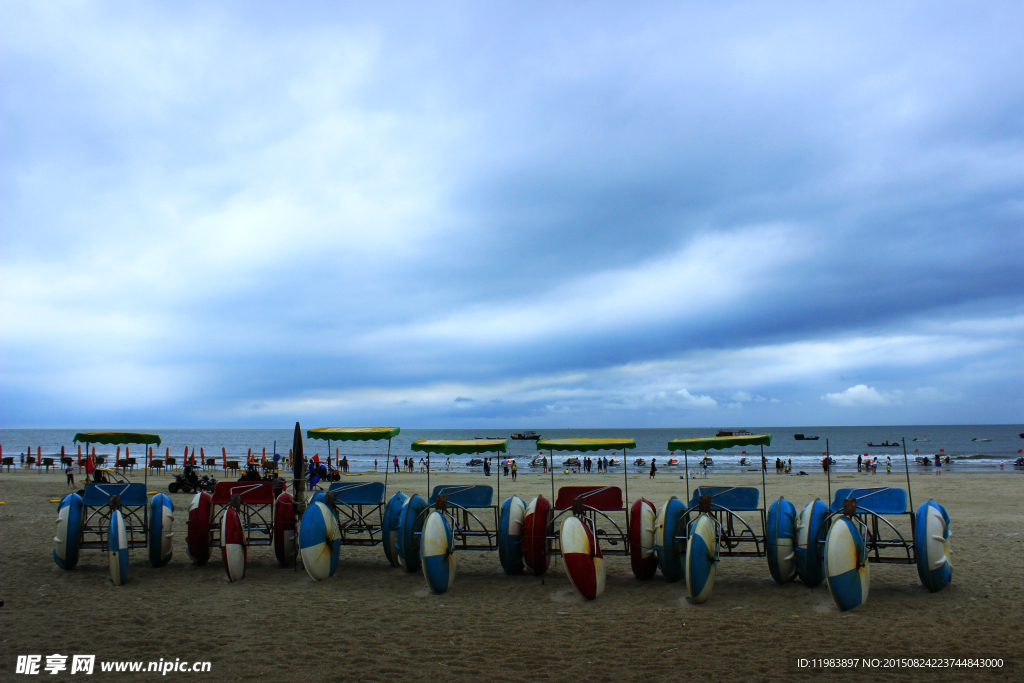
<point x="372" y="622"/>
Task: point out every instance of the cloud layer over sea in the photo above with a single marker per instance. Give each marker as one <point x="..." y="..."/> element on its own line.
<point x="464" y="215"/>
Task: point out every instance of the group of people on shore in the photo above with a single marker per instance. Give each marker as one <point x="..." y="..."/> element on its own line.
<point x="871" y="464"/>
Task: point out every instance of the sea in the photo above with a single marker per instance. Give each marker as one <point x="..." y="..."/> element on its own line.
<point x="976" y="448"/>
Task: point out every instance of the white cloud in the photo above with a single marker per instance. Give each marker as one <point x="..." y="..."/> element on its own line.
<point x="863" y="396"/>
<point x="696" y="401"/>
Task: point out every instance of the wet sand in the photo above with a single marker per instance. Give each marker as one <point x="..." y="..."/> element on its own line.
<point x="372" y="622"/>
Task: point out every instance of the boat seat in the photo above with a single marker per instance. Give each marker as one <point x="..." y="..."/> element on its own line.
<point x="252" y="492"/>
<point x="880" y="500"/>
<point x="729" y="497"/>
<point x="466" y="496"/>
<point x="363" y="493"/>
<point x="132" y="494"/>
<point x="597" y="497"/>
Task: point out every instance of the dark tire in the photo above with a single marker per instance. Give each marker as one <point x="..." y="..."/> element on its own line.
<point x="174" y="487"/>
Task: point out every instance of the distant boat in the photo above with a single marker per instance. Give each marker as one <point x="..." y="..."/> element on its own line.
<point x="526" y="436"/>
<point x="981" y="440"/>
<point x="801" y="437"/>
<point x="740" y="432"/>
<point x="922" y="439"/>
<point x="884" y="444"/>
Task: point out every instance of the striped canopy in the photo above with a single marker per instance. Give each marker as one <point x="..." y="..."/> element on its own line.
<point x="116" y="438"/>
<point x="716" y="442"/>
<point x="460" y="446"/>
<point x="353" y="433"/>
<point x="582" y="445"/>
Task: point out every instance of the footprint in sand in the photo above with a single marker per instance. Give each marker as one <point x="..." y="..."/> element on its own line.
<point x="566" y="596"/>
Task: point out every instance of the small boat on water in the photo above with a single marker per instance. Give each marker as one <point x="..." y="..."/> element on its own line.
<point x="639" y="462"/>
<point x="706" y="461"/>
<point x="571" y="462"/>
<point x="539" y="461"/>
<point x="981" y="440"/>
<point x="613" y="463"/>
<point x="884" y="444"/>
<point x="801" y="437"/>
<point x="739" y="432"/>
<point x="475" y="462"/>
<point x="526" y="436"/>
<point x="673" y="461"/>
<point x="921" y="439"/>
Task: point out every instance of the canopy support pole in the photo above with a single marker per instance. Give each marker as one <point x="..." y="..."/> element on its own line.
<point x="551" y="469"/>
<point x="428" y="474"/>
<point x="625" y="483"/>
<point x="501" y="471"/>
<point x="828" y="471"/>
<point x="909" y="492"/>
<point x="686" y="465"/>
<point x="764" y="467"/>
<point x="387" y="466"/>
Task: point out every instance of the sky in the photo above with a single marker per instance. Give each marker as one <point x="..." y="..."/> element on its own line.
<point x="532" y="215"/>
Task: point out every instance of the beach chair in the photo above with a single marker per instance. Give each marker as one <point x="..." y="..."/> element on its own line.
<point x="718" y="522"/>
<point x="48" y="463"/>
<point x="877" y="525"/>
<point x="464" y="506"/>
<point x="358" y="507"/>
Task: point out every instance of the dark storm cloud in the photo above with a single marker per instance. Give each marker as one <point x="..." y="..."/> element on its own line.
<point x="246" y="215"/>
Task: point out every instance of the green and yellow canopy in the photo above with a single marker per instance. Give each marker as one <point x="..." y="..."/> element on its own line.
<point x="460" y="446"/>
<point x="116" y="438"/>
<point x="583" y="445"/>
<point x="353" y="433"/>
<point x="717" y="442"/>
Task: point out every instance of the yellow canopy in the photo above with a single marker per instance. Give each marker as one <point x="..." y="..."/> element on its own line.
<point x="708" y="443"/>
<point x="582" y="445"/>
<point x="353" y="433"/>
<point x="460" y="446"/>
<point x="110" y="438"/>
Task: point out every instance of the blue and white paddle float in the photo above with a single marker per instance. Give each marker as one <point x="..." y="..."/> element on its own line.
<point x="117" y="548"/>
<point x="510" y="535"/>
<point x="437" y="547"/>
<point x="319" y="541"/>
<point x="389" y="527"/>
<point x="70" y="515"/>
<point x="809" y="567"/>
<point x="846" y="564"/>
<point x="780" y="541"/>
<point x="665" y="524"/>
<point x="161" y="534"/>
<point x="409" y="523"/>
<point x="701" y="558"/>
<point x="318" y="497"/>
<point x="931" y="546"/>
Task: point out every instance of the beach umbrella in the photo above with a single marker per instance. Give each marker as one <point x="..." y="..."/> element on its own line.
<point x="62" y="450"/>
<point x="224" y="455"/>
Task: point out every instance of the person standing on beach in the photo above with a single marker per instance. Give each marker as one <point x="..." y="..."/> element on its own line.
<point x="824" y="465"/>
<point x="654" y="469"/>
<point x="70" y="471"/>
<point x="515" y="469"/>
<point x="859" y="461"/>
<point x="396" y="464"/>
